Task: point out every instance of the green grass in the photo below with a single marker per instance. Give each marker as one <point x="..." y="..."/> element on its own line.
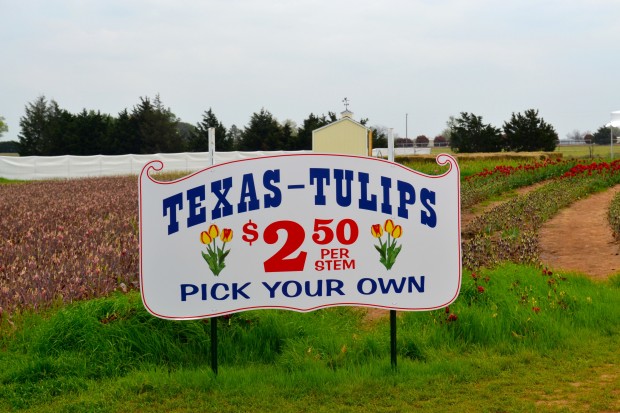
<point x="526" y="341"/>
<point x="9" y="181"/>
<point x="588" y="151"/>
<point x="567" y="151"/>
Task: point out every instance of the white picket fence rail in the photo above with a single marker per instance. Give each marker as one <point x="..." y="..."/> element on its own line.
<point x="70" y="166"/>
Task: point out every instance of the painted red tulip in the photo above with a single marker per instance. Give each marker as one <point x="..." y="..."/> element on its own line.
<point x="226" y="235"/>
<point x="376" y="230"/>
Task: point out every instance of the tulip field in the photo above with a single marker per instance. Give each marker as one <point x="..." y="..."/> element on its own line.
<point x="67" y="240"/>
<point x="74" y="335"/>
<point x="509" y="231"/>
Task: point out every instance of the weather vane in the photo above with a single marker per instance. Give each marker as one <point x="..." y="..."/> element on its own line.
<point x="346" y="103"/>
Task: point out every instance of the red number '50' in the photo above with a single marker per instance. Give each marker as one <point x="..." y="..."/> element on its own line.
<point x="323" y="234"/>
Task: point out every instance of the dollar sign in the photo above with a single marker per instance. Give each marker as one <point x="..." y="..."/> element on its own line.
<point x="250" y="233"/>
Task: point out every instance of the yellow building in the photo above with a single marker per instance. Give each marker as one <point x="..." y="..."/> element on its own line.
<point x="344" y="136"/>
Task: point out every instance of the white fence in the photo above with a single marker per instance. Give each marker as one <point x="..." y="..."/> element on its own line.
<point x="70" y="166"/>
<point x="382" y="152"/>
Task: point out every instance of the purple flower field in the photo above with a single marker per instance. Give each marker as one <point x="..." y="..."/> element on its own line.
<point x="67" y="240"/>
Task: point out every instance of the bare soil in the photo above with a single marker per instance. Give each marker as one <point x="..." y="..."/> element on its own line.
<point x="580" y="239"/>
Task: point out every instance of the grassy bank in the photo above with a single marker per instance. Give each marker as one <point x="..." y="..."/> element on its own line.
<point x="517" y="339"/>
<point x="588" y="151"/>
<point x="568" y="151"/>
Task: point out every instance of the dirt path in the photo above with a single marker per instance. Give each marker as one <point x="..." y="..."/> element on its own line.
<point x="579" y="238"/>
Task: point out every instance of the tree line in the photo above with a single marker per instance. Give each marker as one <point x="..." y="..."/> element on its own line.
<point x="525" y="131"/>
<point x="150" y="127"/>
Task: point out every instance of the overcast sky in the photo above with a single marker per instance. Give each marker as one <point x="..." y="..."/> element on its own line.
<point x="429" y="59"/>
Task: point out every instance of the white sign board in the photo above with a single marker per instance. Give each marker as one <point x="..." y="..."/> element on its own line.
<point x="299" y="232"/>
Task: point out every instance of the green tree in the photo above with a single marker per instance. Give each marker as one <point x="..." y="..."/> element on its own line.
<point x="529" y="132"/>
<point x="33" y="127"/>
<point x="289" y="135"/>
<point x="156" y="127"/>
<point x="263" y="133"/>
<point x="45" y="128"/>
<point x="3" y="126"/>
<point x="60" y="131"/>
<point x="186" y="130"/>
<point x="199" y="141"/>
<point x="469" y="134"/>
<point x="603" y="135"/>
<point x="379" y="137"/>
<point x="9" y="147"/>
<point x="304" y="133"/>
<point x="234" y="135"/>
<point x="91" y="133"/>
<point x="124" y="135"/>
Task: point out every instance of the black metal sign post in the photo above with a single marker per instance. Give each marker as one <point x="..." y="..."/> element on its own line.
<point x="214" y="345"/>
<point x="393" y="337"/>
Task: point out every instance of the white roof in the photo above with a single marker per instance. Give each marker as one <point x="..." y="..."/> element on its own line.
<point x="615" y="119"/>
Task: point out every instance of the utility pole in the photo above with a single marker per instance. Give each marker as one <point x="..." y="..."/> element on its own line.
<point x="406" y="125"/>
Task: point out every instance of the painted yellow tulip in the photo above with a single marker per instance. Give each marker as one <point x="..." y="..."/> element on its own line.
<point x="397" y="231"/>
<point x="226" y="235"/>
<point x="214" y="254"/>
<point x="388" y="250"/>
<point x="205" y="238"/>
<point x="376" y="230"/>
<point x="213" y="231"/>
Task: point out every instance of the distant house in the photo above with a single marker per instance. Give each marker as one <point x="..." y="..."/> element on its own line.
<point x="344" y="136"/>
